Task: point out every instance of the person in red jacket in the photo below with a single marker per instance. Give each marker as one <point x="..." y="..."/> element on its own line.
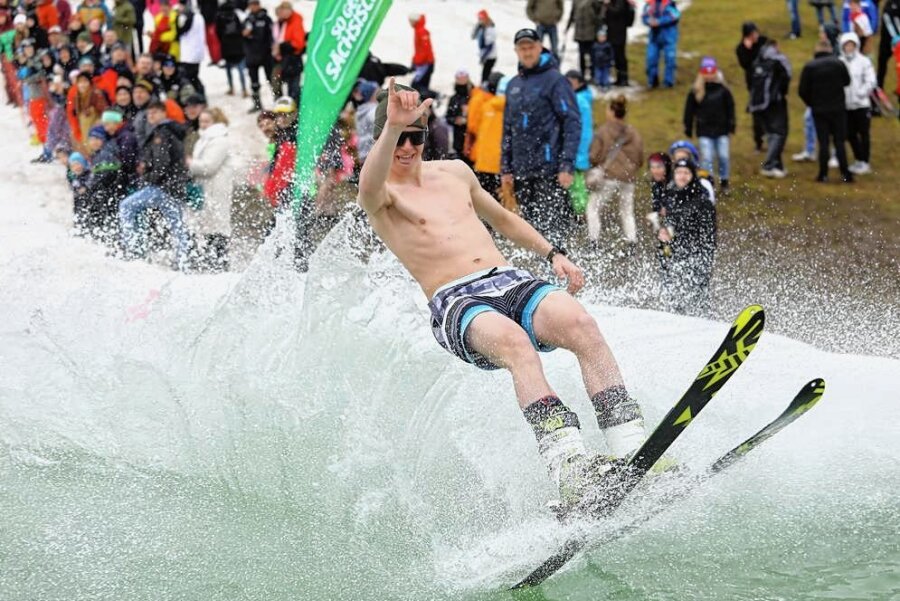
<point x="47" y="15"/>
<point x="423" y="59"/>
<point x="278" y="189"/>
<point x="288" y="46"/>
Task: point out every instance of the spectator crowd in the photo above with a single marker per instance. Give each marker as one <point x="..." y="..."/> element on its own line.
<point x="142" y="147"/>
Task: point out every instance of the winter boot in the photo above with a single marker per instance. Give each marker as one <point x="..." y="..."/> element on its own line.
<point x="620" y="420"/>
<point x="257" y="103"/>
<point x="560" y="444"/>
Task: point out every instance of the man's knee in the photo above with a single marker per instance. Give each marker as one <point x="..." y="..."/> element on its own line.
<point x="515" y="348"/>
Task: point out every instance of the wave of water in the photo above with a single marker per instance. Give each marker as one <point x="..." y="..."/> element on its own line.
<point x="276" y="436"/>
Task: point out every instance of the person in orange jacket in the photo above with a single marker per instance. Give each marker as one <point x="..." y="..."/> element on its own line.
<point x="489" y="135"/>
<point x="288" y="46"/>
<point x="423" y="58"/>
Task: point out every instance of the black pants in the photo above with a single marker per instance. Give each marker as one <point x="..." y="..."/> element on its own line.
<point x="584" y="59"/>
<point x="621" y="64"/>
<point x="486" y="69"/>
<point x="253" y="70"/>
<point x="858" y="122"/>
<point x="884" y="56"/>
<point x="546" y="206"/>
<point x="759" y="131"/>
<point x="832" y="126"/>
<point x="774" y="121"/>
<point x="192" y="73"/>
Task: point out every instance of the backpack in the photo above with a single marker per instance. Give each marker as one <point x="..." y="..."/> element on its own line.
<point x="762" y="85"/>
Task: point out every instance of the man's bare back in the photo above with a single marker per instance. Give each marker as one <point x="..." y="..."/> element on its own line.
<point x="434" y="229"/>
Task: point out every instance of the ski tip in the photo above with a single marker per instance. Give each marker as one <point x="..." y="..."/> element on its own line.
<point x="749" y="313"/>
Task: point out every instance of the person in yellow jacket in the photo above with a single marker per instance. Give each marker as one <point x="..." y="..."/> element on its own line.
<point x="488" y="137"/>
<point x="164" y="38"/>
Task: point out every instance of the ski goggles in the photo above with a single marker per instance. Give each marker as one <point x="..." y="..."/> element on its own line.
<point x="416" y="137"/>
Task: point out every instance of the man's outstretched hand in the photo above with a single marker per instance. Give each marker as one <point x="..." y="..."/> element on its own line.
<point x="403" y="108"/>
<point x="564" y="268"/>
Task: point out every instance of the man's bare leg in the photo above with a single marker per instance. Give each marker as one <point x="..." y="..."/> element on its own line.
<point x="562" y="322"/>
<point x="555" y="427"/>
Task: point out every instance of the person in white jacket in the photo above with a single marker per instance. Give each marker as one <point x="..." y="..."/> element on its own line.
<point x="192" y="43"/>
<point x="858" y="101"/>
<point x="211" y="167"/>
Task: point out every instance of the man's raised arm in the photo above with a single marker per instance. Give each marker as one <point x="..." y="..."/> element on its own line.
<point x="402" y="109"/>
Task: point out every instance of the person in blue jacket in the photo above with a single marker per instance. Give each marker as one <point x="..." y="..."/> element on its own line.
<point x="662" y="17"/>
<point x="541" y="132"/>
<point x="585" y="100"/>
<point x="870" y="7"/>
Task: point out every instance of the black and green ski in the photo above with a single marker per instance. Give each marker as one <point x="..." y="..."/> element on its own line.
<point x="730" y="355"/>
<point x="808" y="396"/>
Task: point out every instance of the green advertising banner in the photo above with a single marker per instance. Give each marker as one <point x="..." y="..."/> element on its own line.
<point x="341" y="34"/>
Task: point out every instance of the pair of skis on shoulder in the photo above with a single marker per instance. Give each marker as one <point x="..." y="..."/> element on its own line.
<point x="731" y="354"/>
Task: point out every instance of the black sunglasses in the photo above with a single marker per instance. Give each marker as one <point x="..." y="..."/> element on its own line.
<point x="416" y="137"/>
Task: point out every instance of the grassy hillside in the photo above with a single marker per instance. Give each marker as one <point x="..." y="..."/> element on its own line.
<point x="864" y="216"/>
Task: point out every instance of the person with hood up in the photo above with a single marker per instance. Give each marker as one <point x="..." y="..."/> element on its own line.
<point x="364" y="95"/>
<point x="662" y="17"/>
<point x="857" y="97"/>
<point x="541" y="132"/>
<point x="485" y="34"/>
<point x="165" y="178"/>
<point x="711" y="105"/>
<point x="423" y="55"/>
<point x="617" y="151"/>
<point x="585" y="99"/>
<point x="770" y="79"/>
<point x="211" y="166"/>
<point x="822" y="84"/>
<point x="690" y="229"/>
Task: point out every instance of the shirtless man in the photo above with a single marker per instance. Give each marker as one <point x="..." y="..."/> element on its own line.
<point x="483" y="310"/>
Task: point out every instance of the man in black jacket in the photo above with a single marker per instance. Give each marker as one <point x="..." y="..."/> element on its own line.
<point x="822" y="84"/>
<point x="747" y="52"/>
<point x="257" y="48"/>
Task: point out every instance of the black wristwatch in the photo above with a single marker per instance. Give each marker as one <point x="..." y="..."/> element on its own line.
<point x="556" y="250"/>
